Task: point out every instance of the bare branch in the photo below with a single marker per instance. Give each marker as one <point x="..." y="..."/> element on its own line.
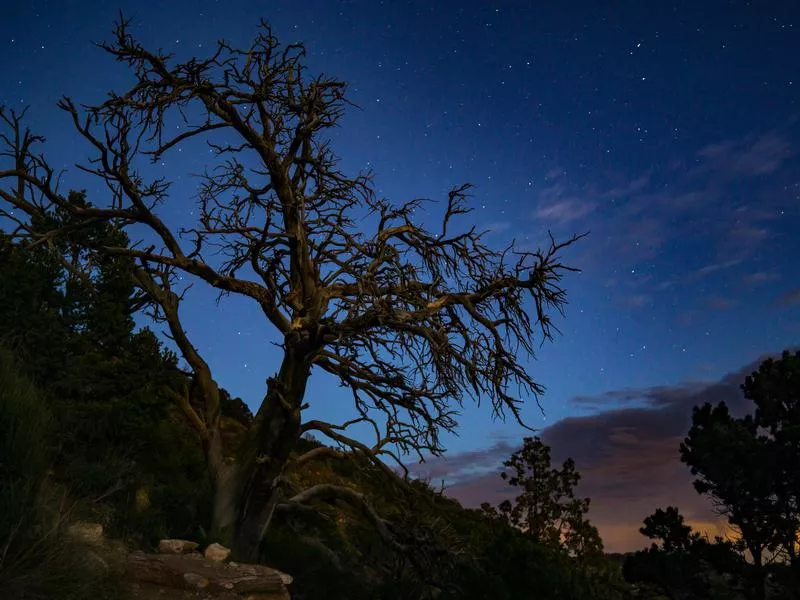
<point x="326" y="492"/>
<point x="321" y="452"/>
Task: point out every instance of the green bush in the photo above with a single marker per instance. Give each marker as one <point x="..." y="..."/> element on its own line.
<point x="36" y="560"/>
<point x="24" y="424"/>
<point x="115" y="435"/>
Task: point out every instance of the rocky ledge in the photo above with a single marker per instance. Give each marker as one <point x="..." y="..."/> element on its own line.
<point x="220" y="579"/>
<point x="178" y="567"/>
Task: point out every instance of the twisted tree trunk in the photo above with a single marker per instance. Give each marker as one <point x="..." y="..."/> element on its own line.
<point x="250" y="503"/>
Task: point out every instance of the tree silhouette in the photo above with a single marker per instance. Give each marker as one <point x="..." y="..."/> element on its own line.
<point x="547" y="509"/>
<point x="732" y="466"/>
<point x="412" y="320"/>
<point x="668" y="526"/>
<point x="748" y="465"/>
<point x="775" y="390"/>
<point x="685" y="565"/>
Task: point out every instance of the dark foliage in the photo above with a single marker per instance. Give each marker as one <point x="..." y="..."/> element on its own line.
<point x="117" y="436"/>
<point x="748" y="467"/>
<point x="37" y="561"/>
<point x="486" y="557"/>
<point x="669" y="527"/>
<point x="683" y="564"/>
<point x="547" y="509"/>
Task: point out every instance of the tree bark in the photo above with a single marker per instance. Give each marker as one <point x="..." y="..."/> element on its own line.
<point x="223" y="517"/>
<point x="270" y="441"/>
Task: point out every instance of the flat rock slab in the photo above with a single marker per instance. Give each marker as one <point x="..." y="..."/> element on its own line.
<point x="195" y="572"/>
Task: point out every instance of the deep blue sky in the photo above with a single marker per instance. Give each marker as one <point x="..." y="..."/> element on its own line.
<point x="667" y="129"/>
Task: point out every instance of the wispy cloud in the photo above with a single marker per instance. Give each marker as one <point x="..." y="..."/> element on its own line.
<point x="714" y="209"/>
<point x="759" y="277"/>
<point x="632" y="187"/>
<point x="564" y="211"/>
<point x="714" y="267"/>
<point x="463" y="466"/>
<point x="720" y="303"/>
<point x="635" y="300"/>
<point x="748" y="233"/>
<point x="748" y="157"/>
<point x="555" y="173"/>
<point x="788" y="298"/>
<point x="495" y="227"/>
<point x="665" y="285"/>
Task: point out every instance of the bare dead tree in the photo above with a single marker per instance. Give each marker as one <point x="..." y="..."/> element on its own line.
<point x="412" y="320"/>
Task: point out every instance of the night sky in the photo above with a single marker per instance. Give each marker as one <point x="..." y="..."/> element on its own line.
<point x="669" y="130"/>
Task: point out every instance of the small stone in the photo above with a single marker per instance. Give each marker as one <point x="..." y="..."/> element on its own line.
<point x="196" y="580"/>
<point x="176" y="546"/>
<point x="286" y="579"/>
<point x="233" y="565"/>
<point x="217" y="553"/>
<point x="90" y="534"/>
